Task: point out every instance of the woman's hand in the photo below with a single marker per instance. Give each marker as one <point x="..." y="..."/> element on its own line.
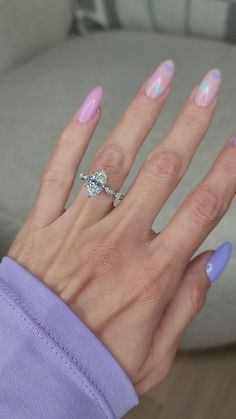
<point x="137" y="290"/>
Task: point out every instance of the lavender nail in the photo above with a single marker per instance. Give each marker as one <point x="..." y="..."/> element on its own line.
<point x="89" y="106"/>
<point x="218" y="261"/>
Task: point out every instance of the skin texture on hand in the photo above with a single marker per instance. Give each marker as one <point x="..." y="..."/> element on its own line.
<point x="137" y="290"/>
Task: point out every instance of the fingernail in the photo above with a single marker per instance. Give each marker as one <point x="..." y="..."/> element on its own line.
<point x="160" y="79"/>
<point x="218" y="261"/>
<point x="89" y="106"/>
<point x="208" y="88"/>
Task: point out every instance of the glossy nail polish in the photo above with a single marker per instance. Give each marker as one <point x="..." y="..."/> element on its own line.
<point x="89" y="106"/>
<point x="208" y="88"/>
<point x="218" y="261"/>
<point x="160" y="79"/>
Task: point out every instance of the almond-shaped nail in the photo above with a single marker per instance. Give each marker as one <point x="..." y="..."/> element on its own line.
<point x="208" y="88"/>
<point x="218" y="261"/>
<point x="89" y="106"/>
<point x="160" y="79"/>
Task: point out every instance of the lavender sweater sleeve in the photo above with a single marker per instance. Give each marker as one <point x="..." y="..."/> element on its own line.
<point x="51" y="364"/>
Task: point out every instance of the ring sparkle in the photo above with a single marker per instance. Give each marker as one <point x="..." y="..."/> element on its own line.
<point x="97" y="182"/>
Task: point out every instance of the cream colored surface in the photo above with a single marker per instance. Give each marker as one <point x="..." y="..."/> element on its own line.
<point x="28" y="27"/>
<point x="200" y="386"/>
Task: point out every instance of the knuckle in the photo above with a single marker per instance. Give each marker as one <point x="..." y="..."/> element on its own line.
<point x="136" y="111"/>
<point x="67" y="140"/>
<point x="165" y="164"/>
<point x="54" y="178"/>
<point x="206" y="205"/>
<point x="111" y="157"/>
<point x="197" y="296"/>
<point x="191" y="121"/>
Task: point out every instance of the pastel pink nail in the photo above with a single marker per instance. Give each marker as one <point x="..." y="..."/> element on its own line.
<point x="160" y="79"/>
<point x="89" y="106"/>
<point x="208" y="88"/>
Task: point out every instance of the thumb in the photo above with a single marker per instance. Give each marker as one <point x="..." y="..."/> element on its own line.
<point x="187" y="301"/>
<point x="201" y="272"/>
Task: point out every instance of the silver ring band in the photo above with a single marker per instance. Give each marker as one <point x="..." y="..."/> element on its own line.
<point x="98" y="182"/>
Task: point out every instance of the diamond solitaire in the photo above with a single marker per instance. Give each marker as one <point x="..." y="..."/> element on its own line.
<point x="97" y="182"/>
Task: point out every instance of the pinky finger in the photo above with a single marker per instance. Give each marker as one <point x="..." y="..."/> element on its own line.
<point x="188" y="300"/>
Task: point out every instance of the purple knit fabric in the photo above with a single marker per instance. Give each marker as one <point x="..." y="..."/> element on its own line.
<point x="51" y="364"/>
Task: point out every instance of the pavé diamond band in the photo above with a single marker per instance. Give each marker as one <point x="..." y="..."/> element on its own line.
<point x="98" y="182"/>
